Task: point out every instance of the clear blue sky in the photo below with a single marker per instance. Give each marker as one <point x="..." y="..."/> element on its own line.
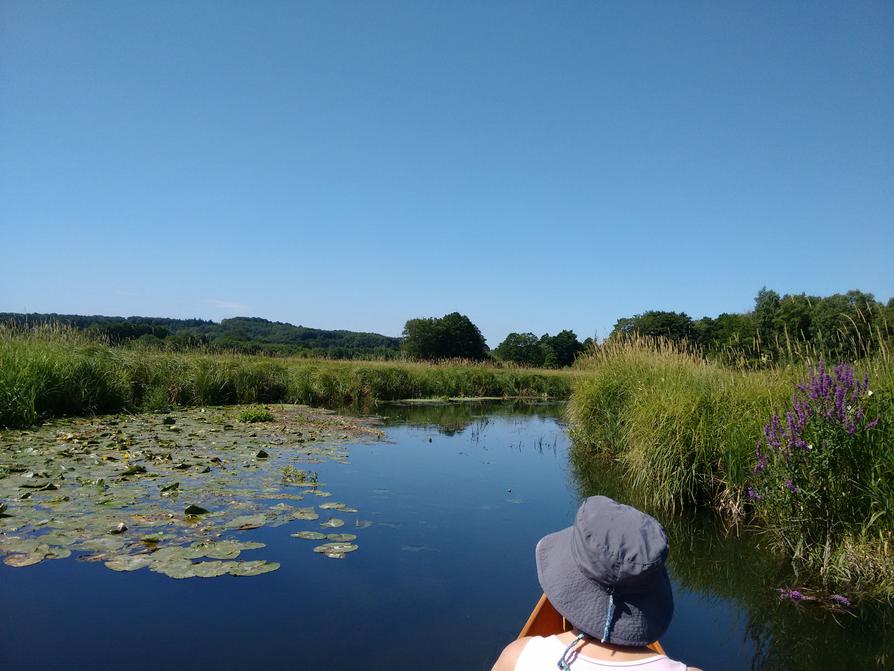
<point x="534" y="165"/>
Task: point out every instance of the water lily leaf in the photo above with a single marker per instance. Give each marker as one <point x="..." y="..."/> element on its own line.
<point x="105" y="544"/>
<point x="219" y="549"/>
<point x="134" y="469"/>
<point x="251" y="545"/>
<point x="129" y="562"/>
<point x="19" y="545"/>
<point x="59" y="538"/>
<point x="174" y="568"/>
<point x="309" y="535"/>
<point x="244" y="522"/>
<point x="305" y="514"/>
<point x="336" y="548"/>
<point x="170" y="490"/>
<point x="2" y="508"/>
<point x="262" y="454"/>
<point x="210" y="569"/>
<point x="249" y="568"/>
<point x="341" y="538"/>
<point x="332" y="523"/>
<point x="20" y="560"/>
<point x="57" y="553"/>
<point x="195" y="510"/>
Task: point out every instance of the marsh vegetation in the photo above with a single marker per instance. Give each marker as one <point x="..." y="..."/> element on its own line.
<point x="690" y="432"/>
<point x="57" y="371"/>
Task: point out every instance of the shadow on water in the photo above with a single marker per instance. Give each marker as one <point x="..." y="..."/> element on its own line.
<point x="732" y="566"/>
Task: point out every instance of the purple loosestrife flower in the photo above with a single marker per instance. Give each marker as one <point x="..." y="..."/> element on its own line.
<point x="791" y="486"/>
<point x="841" y="600"/>
<point x="752" y="494"/>
<point x="794" y="595"/>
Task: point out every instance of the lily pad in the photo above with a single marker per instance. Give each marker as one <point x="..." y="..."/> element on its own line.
<point x="309" y="535"/>
<point x="341" y="538"/>
<point x="195" y="510"/>
<point x="244" y="522"/>
<point x="129" y="562"/>
<point x="210" y="569"/>
<point x="20" y="560"/>
<point x="305" y="514"/>
<point x="335" y="550"/>
<point x="219" y="549"/>
<point x="174" y="568"/>
<point x="249" y="568"/>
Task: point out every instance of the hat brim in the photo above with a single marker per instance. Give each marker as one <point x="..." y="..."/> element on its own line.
<point x="639" y="619"/>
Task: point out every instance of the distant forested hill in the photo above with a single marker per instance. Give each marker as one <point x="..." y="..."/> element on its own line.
<point x="244" y="334"/>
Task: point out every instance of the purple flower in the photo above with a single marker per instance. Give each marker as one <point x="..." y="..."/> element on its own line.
<point x="793" y="595"/>
<point x="791" y="486"/>
<point x="841" y="600"/>
<point x="752" y="494"/>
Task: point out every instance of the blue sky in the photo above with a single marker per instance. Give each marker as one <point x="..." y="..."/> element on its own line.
<point x="534" y="165"/>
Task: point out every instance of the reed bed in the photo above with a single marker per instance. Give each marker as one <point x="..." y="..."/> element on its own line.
<point x="54" y="371"/>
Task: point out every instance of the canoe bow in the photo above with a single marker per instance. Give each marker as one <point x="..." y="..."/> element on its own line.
<point x="545" y="620"/>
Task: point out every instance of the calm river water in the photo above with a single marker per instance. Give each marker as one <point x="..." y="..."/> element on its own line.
<point x="457" y="497"/>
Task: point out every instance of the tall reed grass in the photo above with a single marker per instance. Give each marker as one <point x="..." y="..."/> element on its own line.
<point x="51" y="371"/>
<point x="683" y="430"/>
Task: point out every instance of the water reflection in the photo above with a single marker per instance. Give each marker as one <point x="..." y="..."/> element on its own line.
<point x="449" y="418"/>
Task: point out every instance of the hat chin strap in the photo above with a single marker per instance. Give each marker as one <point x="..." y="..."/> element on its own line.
<point x="563" y="660"/>
<point x="609" y="616"/>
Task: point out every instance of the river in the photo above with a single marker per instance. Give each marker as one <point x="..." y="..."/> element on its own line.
<point x="449" y="507"/>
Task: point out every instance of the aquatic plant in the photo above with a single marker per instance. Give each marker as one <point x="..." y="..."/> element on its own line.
<point x="139" y="491"/>
<point x="251" y="415"/>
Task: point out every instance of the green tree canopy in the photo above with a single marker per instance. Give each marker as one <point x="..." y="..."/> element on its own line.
<point x="521" y="348"/>
<point x="448" y="337"/>
<point x="673" y="325"/>
<point x="561" y="349"/>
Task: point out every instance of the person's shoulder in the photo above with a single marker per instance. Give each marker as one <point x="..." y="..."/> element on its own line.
<point x="509" y="657"/>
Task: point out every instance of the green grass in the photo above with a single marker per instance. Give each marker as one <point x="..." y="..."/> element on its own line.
<point x="56" y="371"/>
<point x="683" y="430"/>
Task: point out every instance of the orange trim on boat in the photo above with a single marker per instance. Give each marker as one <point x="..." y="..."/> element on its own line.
<point x="545" y="620"/>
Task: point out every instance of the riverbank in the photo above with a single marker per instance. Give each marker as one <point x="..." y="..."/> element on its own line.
<point x="684" y="431"/>
<point x="63" y="373"/>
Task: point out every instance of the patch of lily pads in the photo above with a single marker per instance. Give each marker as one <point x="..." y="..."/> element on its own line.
<point x="170" y="493"/>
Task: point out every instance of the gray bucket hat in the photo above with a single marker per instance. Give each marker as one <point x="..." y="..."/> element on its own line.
<point x="606" y="574"/>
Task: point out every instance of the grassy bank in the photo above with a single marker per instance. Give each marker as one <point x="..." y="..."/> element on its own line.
<point x="52" y="372"/>
<point x="684" y="432"/>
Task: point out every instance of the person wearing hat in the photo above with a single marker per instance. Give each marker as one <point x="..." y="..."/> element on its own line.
<point x="606" y="576"/>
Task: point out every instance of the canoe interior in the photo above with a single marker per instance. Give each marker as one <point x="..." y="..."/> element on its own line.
<point x="545" y="620"/>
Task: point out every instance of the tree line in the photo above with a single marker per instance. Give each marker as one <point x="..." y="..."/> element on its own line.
<point x="840" y="326"/>
<point x="245" y="335"/>
<point x="454" y="336"/>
